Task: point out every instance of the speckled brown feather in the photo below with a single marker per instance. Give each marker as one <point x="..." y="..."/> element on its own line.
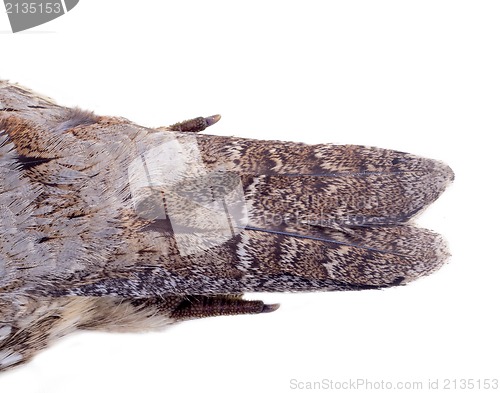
<point x="86" y="245"/>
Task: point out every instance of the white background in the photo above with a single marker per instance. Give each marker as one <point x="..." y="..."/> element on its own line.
<point x="422" y="77"/>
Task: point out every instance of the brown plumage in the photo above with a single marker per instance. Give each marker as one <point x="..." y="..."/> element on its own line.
<point x="109" y="225"/>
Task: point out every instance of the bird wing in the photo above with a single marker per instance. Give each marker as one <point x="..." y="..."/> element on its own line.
<point x="101" y="206"/>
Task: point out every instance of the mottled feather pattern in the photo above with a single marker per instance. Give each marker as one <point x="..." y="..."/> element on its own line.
<point x="109" y="225"/>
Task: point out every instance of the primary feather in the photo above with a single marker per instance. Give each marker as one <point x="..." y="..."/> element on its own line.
<point x="107" y="224"/>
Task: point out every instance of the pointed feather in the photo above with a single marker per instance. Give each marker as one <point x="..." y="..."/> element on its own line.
<point x="353" y="185"/>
